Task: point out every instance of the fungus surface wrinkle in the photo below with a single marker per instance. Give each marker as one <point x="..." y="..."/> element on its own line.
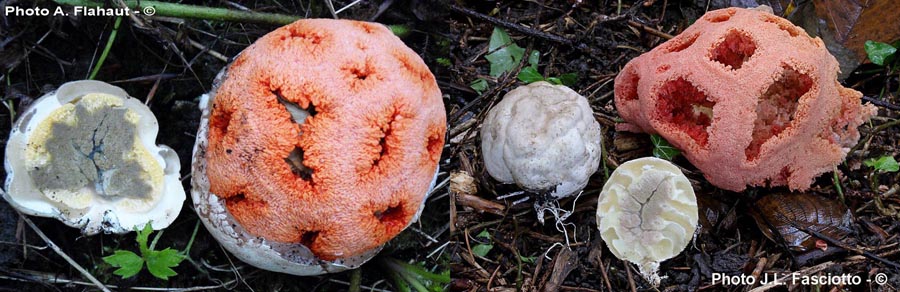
<point x="748" y="99"/>
<point x="647" y="213"/>
<point x="338" y="138"/>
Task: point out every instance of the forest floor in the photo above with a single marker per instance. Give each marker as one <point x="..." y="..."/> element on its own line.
<point x="488" y="243"/>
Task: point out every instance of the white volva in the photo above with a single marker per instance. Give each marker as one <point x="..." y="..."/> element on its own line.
<point x="647" y="213"/>
<point x="87" y="155"/>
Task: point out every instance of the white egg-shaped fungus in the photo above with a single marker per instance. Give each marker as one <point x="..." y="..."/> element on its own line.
<point x="86" y="154"/>
<point x="543" y="138"/>
<point x="647" y="213"/>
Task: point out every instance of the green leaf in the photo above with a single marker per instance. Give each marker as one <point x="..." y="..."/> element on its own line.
<point x="444" y="62"/>
<point x="484" y="234"/>
<point x="878" y="52"/>
<point x="662" y="148"/>
<point x="505" y="59"/>
<point x="529" y="75"/>
<point x="160" y="263"/>
<point x="529" y="260"/>
<point x="534" y="58"/>
<point x="479" y="85"/>
<point x="128" y="263"/>
<point x="142" y="237"/>
<point x="482" y="249"/>
<point x="499" y="38"/>
<point x="883" y="164"/>
<point x="554" y="80"/>
<point x="503" y="55"/>
<point x="399" y="30"/>
<point x="569" y="79"/>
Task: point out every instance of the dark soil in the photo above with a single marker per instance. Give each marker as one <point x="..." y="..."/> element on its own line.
<point x="591" y="38"/>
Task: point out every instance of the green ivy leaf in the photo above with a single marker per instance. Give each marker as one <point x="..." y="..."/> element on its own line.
<point x="503" y="55"/>
<point x="529" y="75"/>
<point x="484" y="234"/>
<point x="482" y="249"/>
<point x="479" y="85"/>
<point x="879" y="52"/>
<point x="568" y="79"/>
<point x="885" y="163"/>
<point x="444" y="62"/>
<point x="499" y="38"/>
<point x="160" y="263"/>
<point x="662" y="148"/>
<point x="529" y="260"/>
<point x="128" y="263"/>
<point x="534" y="59"/>
<point x="399" y="30"/>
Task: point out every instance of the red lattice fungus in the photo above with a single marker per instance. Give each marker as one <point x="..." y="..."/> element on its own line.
<point x="325" y="144"/>
<point x="747" y="103"/>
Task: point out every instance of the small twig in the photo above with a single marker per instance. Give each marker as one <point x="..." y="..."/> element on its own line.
<point x="630" y="277"/>
<point x="62" y="254"/>
<point x="804" y="272"/>
<point x="882" y="103"/>
<point x="330" y="6"/>
<point x="368" y="288"/>
<point x="871" y="134"/>
<point x="514" y="26"/>
<point x="562" y="266"/>
<point x="209" y="51"/>
<point x="604" y="274"/>
<point x="420" y="232"/>
<point x="57" y="280"/>
<point x="347" y="7"/>
<point x="649" y="30"/>
<point x="840" y="244"/>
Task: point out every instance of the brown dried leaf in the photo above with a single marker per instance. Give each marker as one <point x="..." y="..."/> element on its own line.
<point x="853" y="22"/>
<point x="712" y="211"/>
<point x="782" y="212"/>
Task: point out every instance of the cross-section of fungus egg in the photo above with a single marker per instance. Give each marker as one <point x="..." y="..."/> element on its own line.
<point x="543" y="138"/>
<point x="86" y="154"/>
<point x="317" y="146"/>
<point x="647" y="213"/>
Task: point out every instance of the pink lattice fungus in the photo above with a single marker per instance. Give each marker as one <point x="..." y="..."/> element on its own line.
<point x="748" y="97"/>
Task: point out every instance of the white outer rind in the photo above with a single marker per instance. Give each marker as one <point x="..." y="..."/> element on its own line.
<point x="646" y="227"/>
<point x="542" y="137"/>
<point x="25" y="197"/>
<point x="288" y="258"/>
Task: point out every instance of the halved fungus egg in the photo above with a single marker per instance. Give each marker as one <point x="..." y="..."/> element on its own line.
<point x="86" y="154"/>
<point x="317" y="145"/>
<point x="647" y="213"/>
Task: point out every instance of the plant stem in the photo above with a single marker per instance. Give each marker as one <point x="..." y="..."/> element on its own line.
<point x="109" y="43"/>
<point x="156" y="238"/>
<point x="194" y="11"/>
<point x="187" y="250"/>
<point x="355" y="280"/>
<point x="837" y="185"/>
